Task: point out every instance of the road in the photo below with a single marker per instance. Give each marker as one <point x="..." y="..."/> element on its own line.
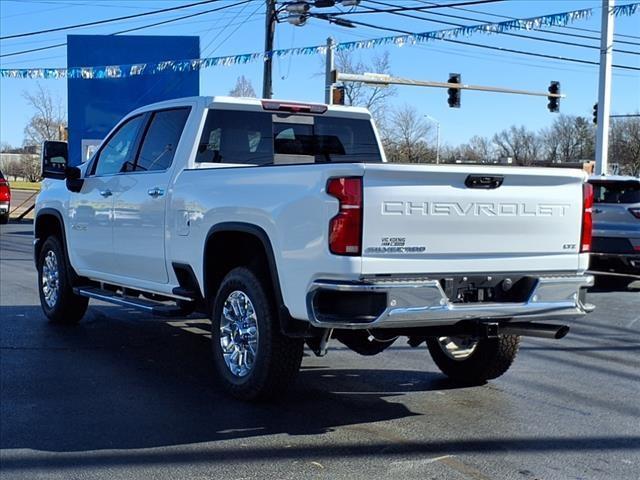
<point x="124" y="396"/>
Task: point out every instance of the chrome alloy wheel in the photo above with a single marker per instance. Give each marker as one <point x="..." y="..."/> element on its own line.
<point x="50" y="279"/>
<point x="458" y="348"/>
<point x="239" y="333"/>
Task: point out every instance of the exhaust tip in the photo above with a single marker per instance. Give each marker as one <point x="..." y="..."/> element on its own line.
<point x="561" y="332"/>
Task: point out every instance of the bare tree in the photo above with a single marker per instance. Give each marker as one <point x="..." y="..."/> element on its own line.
<point x="49" y="120"/>
<point x="478" y="149"/>
<point x="373" y="97"/>
<point x="569" y="138"/>
<point x="30" y="167"/>
<point x="407" y="138"/>
<point x="11" y="167"/>
<point x="243" y="88"/>
<point x="625" y="145"/>
<point x="5" y="147"/>
<point x="518" y="143"/>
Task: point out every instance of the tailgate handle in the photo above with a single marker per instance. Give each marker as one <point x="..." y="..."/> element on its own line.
<point x="487" y="182"/>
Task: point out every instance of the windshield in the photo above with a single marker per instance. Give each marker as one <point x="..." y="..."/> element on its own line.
<point x="616" y="192"/>
<point x="263" y="138"/>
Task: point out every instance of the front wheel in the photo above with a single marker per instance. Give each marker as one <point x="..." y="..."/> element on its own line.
<point x="253" y="359"/>
<point x="473" y="361"/>
<point x="58" y="301"/>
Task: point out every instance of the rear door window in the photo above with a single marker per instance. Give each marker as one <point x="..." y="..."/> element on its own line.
<point x="616" y="192"/>
<point x="161" y="140"/>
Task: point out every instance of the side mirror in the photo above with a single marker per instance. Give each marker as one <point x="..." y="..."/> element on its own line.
<point x="54" y="159"/>
<point x="74" y="179"/>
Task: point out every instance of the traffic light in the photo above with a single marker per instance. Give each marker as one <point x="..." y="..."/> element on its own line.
<point x="554" y="102"/>
<point x="454" y="93"/>
<point x="595" y="113"/>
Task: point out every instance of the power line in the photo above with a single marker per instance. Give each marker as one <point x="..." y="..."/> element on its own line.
<point x="545" y="31"/>
<point x="487" y="57"/>
<point x="428" y="7"/>
<point x="22" y="52"/>
<point x="31" y="50"/>
<point x="206" y="52"/>
<point x="110" y="4"/>
<point x="511" y="34"/>
<point x="107" y="20"/>
<point x="478" y="45"/>
<point x="568" y="27"/>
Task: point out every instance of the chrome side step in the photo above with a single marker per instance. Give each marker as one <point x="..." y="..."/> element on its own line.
<point x="150" y="306"/>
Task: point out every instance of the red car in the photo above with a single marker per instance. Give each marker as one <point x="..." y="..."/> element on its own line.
<point x="5" y="200"/>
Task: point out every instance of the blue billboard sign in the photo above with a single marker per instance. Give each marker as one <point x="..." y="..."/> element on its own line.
<point x="96" y="105"/>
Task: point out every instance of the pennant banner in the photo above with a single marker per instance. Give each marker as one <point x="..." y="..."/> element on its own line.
<point x="626" y="10"/>
<point x="131" y="70"/>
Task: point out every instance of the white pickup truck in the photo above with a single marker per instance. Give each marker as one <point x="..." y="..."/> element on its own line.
<point x="283" y="222"/>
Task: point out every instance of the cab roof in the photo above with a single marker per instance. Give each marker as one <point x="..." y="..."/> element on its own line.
<point x="247" y="103"/>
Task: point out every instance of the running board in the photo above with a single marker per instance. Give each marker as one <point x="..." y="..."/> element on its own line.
<point x="155" y="308"/>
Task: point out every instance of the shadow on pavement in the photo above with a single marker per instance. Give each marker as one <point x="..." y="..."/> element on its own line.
<point x="214" y="455"/>
<point x="94" y="394"/>
<point x="120" y="380"/>
<point x="615" y="283"/>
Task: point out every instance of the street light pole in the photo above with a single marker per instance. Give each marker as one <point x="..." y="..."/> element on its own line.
<point x="604" y="88"/>
<point x="429" y="117"/>
<point x="328" y="81"/>
<point x="269" y="32"/>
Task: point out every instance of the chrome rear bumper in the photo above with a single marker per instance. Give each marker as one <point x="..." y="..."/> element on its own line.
<point x="424" y="303"/>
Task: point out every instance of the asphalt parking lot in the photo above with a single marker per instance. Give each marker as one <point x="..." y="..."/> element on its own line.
<point x="123" y="395"/>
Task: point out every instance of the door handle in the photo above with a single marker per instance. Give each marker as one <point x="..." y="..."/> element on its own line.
<point x="155" y="192"/>
<point x="106" y="193"/>
<point x="597" y="210"/>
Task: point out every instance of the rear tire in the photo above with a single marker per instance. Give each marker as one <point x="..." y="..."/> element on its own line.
<point x="58" y="301"/>
<point x="252" y="357"/>
<point x="477" y="362"/>
<point x="4" y="219"/>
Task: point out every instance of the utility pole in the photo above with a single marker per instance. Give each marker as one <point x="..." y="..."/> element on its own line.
<point x="330" y="65"/>
<point x="604" y="88"/>
<point x="269" y="32"/>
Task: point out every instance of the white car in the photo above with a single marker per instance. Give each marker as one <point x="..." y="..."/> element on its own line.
<point x="285" y="224"/>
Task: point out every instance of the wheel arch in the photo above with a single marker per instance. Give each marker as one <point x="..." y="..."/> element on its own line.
<point x="226" y="247"/>
<point x="48" y="221"/>
<point x="231" y="238"/>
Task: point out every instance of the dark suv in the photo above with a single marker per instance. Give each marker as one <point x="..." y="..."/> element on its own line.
<point x="616" y="224"/>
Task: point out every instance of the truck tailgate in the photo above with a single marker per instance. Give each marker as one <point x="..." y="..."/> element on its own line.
<point x="426" y="219"/>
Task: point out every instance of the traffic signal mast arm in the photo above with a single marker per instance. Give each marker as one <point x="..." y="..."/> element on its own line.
<point x="379" y="79"/>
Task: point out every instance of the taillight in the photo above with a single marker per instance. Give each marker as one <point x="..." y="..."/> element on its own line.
<point x="5" y="193"/>
<point x="345" y="229"/>
<point x="587" y="217"/>
<point x="635" y="212"/>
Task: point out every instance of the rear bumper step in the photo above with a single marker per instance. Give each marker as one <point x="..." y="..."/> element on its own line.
<point x="408" y="304"/>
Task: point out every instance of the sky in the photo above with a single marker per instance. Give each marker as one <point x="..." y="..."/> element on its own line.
<point x="241" y="30"/>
